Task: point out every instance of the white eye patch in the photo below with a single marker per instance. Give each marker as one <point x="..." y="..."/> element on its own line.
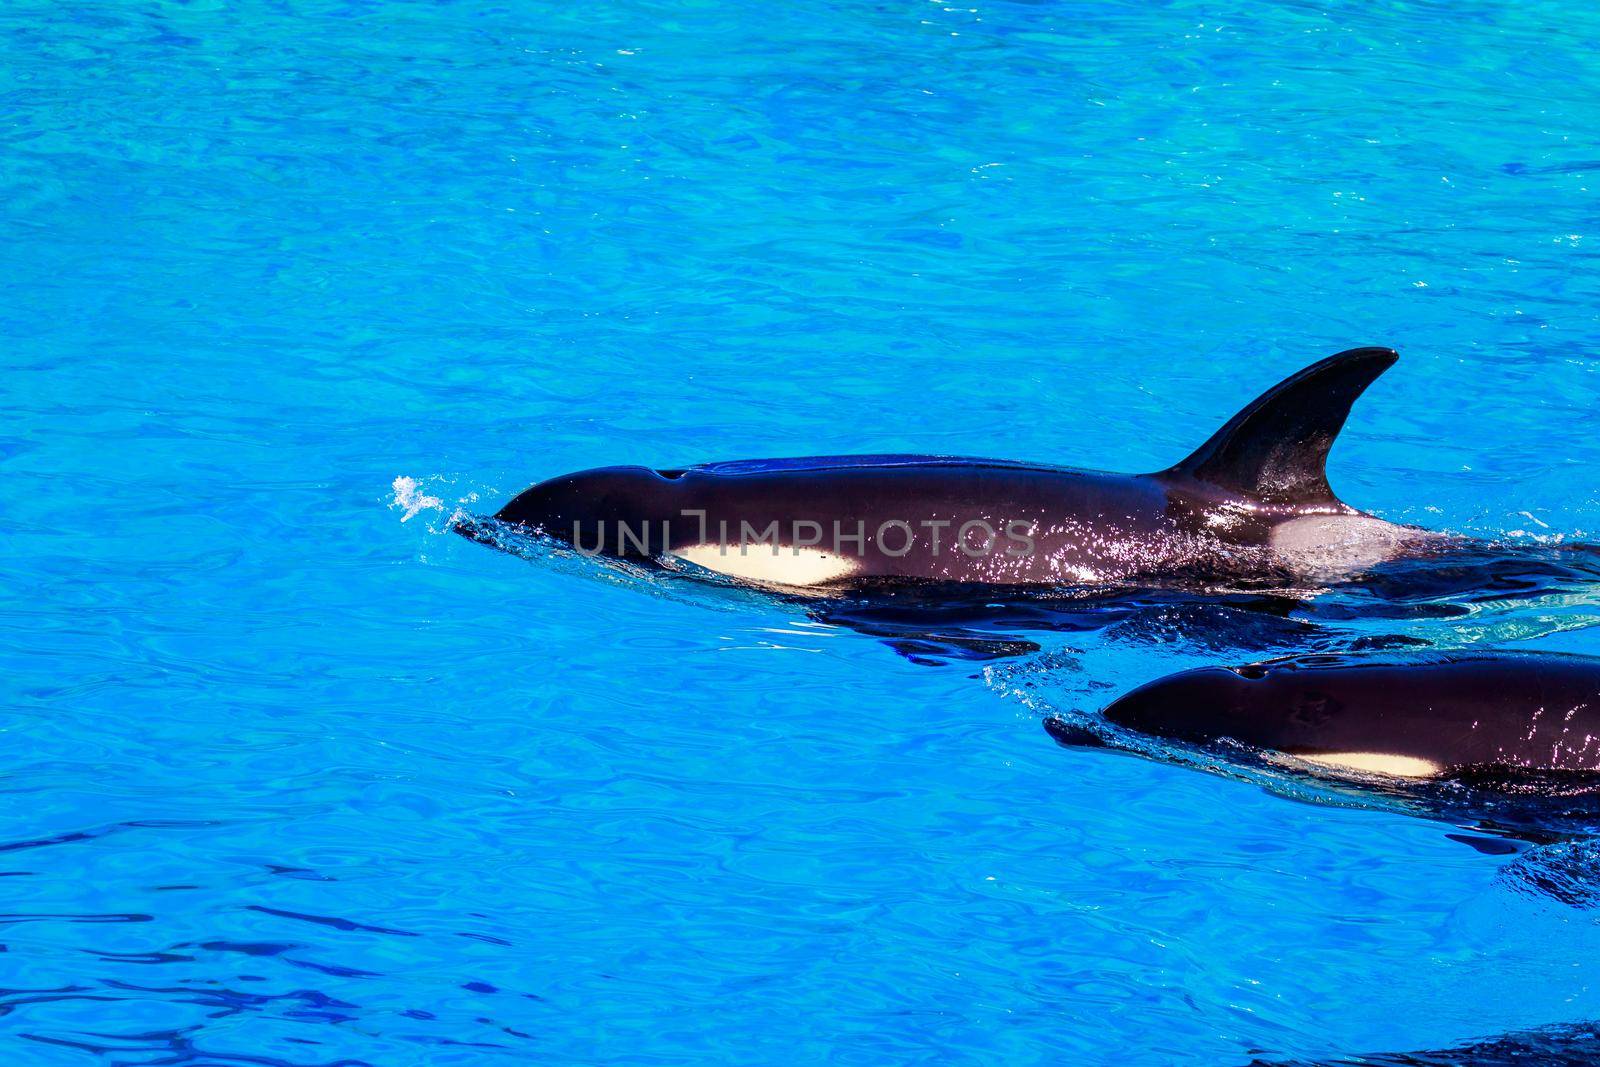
<point x="1375" y="763"/>
<point x="781" y="566"/>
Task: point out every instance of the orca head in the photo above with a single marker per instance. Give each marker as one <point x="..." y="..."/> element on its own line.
<point x="1198" y="706"/>
<point x="613" y="511"/>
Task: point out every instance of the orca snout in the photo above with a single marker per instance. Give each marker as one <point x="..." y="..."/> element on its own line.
<point x="615" y="511"/>
<point x="1197" y="705"/>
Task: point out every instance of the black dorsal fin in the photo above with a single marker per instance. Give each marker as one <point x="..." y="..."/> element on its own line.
<point x="1276" y="450"/>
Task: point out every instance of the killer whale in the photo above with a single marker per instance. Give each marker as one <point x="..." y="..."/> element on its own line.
<point x="1425" y="715"/>
<point x="1496" y="742"/>
<point x="1561" y="1045"/>
<point x="1253" y="500"/>
<point x="1503" y="745"/>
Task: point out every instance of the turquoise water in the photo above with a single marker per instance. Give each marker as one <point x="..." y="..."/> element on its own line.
<point x="294" y="776"/>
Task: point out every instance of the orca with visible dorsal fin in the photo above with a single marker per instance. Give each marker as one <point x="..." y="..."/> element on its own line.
<point x="1253" y="501"/>
<point x="1275" y="451"/>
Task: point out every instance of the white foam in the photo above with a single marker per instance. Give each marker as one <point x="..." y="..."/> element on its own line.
<point x="412" y="500"/>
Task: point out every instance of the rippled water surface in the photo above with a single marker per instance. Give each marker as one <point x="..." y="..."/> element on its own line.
<point x="292" y="776"/>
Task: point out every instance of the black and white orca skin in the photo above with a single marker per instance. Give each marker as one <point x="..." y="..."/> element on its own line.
<point x="1254" y="500"/>
<point x="1503" y="745"/>
<point x="1415" y="716"/>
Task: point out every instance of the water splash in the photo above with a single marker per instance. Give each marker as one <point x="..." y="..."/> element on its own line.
<point x="411" y="499"/>
<point x="1563" y="871"/>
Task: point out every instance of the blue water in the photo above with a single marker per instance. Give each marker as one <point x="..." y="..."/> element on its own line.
<point x="294" y="776"/>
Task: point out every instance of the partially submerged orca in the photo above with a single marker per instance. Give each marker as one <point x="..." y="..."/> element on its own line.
<point x="1565" y="1045"/>
<point x="1416" y="716"/>
<point x="1501" y="743"/>
<point x="1252" y="501"/>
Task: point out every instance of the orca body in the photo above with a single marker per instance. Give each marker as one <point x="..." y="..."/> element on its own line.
<point x="1503" y="745"/>
<point x="1477" y="715"/>
<point x="1253" y="502"/>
